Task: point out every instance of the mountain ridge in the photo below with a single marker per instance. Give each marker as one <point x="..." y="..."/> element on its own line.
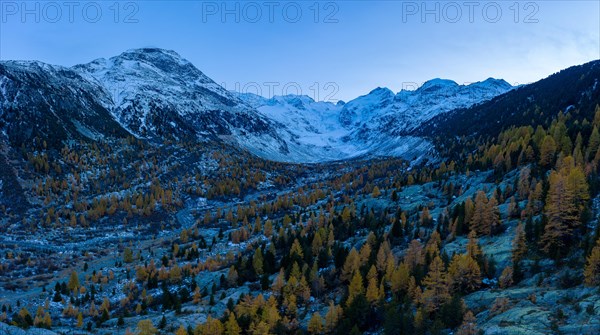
<point x="157" y="94"/>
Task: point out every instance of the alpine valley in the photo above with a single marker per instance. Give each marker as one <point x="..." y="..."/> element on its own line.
<point x="138" y="196"/>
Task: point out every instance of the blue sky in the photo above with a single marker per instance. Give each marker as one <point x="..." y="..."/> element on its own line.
<point x="327" y="50"/>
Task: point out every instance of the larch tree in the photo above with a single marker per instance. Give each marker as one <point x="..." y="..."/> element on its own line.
<point x="79" y="320"/>
<point x="469" y="325"/>
<point x="145" y="327"/>
<point x="593" y="143"/>
<point x="473" y="248"/>
<point x="519" y="244"/>
<point x="212" y="326"/>
<point x="486" y="217"/>
<point x="258" y="327"/>
<point x="351" y="265"/>
<point x="232" y="276"/>
<point x="373" y="294"/>
<point x="315" y="325"/>
<point x="355" y="288"/>
<point x="333" y="316"/>
<point x="591" y="271"/>
<point x="376" y="193"/>
<point x="296" y="250"/>
<point x="414" y="255"/>
<point x="436" y="286"/>
<point x="567" y="196"/>
<point x="506" y="278"/>
<point x="480" y="221"/>
<point x="231" y="326"/>
<point x="547" y="151"/>
<point x="257" y="261"/>
<point x="400" y="278"/>
<point x="493" y="216"/>
<point x="73" y="282"/>
<point x="464" y="274"/>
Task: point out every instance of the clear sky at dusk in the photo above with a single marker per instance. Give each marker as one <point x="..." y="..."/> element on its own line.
<point x="356" y="45"/>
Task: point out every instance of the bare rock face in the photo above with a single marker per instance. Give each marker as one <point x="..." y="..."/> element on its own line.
<point x="52" y="103"/>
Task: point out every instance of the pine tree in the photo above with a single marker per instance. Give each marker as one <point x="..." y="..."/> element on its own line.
<point x="426" y="219"/>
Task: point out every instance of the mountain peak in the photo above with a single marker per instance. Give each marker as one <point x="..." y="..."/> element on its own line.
<point x="493" y="82"/>
<point x="437" y="83"/>
<point x="166" y="60"/>
<point x="152" y="52"/>
<point x="381" y="91"/>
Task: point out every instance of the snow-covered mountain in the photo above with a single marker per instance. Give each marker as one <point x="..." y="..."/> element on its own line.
<point x="383" y="111"/>
<point x="52" y="103"/>
<point x="379" y="123"/>
<point x="156" y="94"/>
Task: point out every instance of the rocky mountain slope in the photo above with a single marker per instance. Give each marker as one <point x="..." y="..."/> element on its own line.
<point x="156" y="94"/>
<point x="52" y="103"/>
<point x="575" y="90"/>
